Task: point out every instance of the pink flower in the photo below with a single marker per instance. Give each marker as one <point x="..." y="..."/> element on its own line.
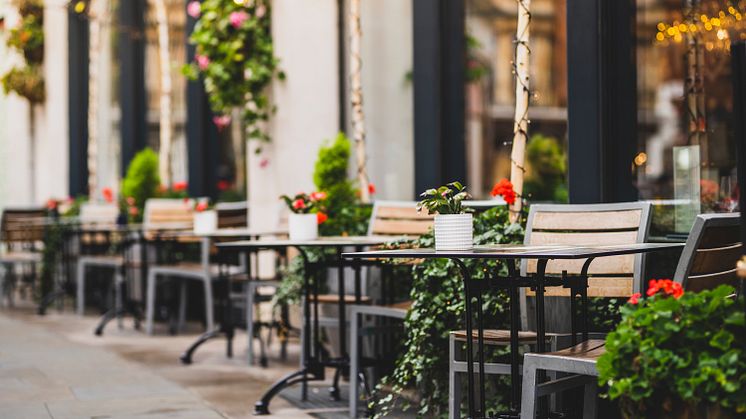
<point x="133" y="211"/>
<point x="299" y="204"/>
<point x="264" y="163"/>
<point x="238" y="18"/>
<point x="261" y="10"/>
<point x="221" y="121"/>
<point x="318" y="196"/>
<point x="202" y="61"/>
<point x="194" y="9"/>
<point x="130" y="200"/>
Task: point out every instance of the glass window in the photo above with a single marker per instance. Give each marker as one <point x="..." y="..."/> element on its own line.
<point x="491" y="28"/>
<point x="686" y="162"/>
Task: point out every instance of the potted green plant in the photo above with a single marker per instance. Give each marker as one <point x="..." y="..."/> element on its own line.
<point x="454" y="226"/>
<point x="305" y="215"/>
<point x="678" y="355"/>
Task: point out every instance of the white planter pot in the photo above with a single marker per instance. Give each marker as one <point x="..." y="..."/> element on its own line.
<point x="454" y="232"/>
<point x="205" y="222"/>
<point x="303" y="227"/>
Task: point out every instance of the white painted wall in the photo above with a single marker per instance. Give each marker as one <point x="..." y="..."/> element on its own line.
<point x="305" y="40"/>
<point x="51" y="128"/>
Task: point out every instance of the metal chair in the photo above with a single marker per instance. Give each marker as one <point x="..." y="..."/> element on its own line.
<point x="618" y="276"/>
<point x="103" y="216"/>
<point x="21" y="235"/>
<point x="708" y="260"/>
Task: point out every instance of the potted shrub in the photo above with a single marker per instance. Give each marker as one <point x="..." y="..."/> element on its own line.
<point x="677" y="355"/>
<point x="453" y="223"/>
<point x="205" y="219"/>
<point x="305" y="215"/>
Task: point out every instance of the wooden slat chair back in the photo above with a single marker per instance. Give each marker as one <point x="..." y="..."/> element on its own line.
<point x="22" y="226"/>
<point x="398" y="218"/>
<point x="167" y="214"/>
<point x="711" y="253"/>
<point x="232" y="214"/>
<point x="594" y="224"/>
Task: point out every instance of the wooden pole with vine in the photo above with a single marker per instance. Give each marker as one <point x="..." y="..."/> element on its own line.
<point x="164" y="56"/>
<point x="694" y="83"/>
<point x="96" y="14"/>
<point x="356" y="95"/>
<point x="522" y="97"/>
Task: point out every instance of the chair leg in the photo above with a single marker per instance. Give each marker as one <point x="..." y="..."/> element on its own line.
<point x="2" y="285"/>
<point x="208" y="304"/>
<point x="589" y="401"/>
<point x="250" y="290"/>
<point x="528" y="393"/>
<point x="354" y="364"/>
<point x="182" y="306"/>
<point x="81" y="288"/>
<point x="118" y="301"/>
<point x="454" y="382"/>
<point x="150" y="302"/>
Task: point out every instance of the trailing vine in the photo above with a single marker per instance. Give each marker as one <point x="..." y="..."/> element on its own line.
<point x="235" y="57"/>
<point x="27" y="38"/>
<point x="438" y="307"/>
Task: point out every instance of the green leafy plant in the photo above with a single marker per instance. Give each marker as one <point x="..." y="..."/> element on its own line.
<point x="547" y="170"/>
<point x="672" y="357"/>
<point x="303" y="203"/>
<point x="438" y="308"/>
<point x="444" y="200"/>
<point x="28" y="39"/>
<point x="141" y="183"/>
<point x="346" y="214"/>
<point x="235" y="56"/>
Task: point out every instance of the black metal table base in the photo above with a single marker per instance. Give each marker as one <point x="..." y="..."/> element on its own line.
<point x="186" y="357"/>
<point x="118" y="314"/>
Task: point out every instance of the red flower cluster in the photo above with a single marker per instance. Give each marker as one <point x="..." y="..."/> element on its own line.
<point x="180" y="186"/>
<point x="223" y="185"/>
<point x="321" y="217"/>
<point x="371" y="188"/>
<point x="108" y="195"/>
<point x="657" y="285"/>
<point x="667" y="286"/>
<point x="504" y="188"/>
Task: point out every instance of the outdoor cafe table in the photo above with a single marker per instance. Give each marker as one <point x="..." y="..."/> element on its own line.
<point x="475" y="288"/>
<point x="226" y="326"/>
<point x="313" y="359"/>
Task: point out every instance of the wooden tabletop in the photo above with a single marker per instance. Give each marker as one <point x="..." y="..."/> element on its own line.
<point x="519" y="251"/>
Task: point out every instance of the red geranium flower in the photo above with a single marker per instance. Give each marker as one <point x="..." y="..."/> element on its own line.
<point x="371" y="188"/>
<point x="505" y="189"/>
<point x="667" y="286"/>
<point x="318" y="196"/>
<point x="299" y="204"/>
<point x="321" y="217"/>
<point x="131" y="200"/>
<point x="201" y="206"/>
<point x="180" y="186"/>
<point x="108" y="195"/>
<point x="223" y="185"/>
<point x="51" y="204"/>
<point x="134" y="211"/>
<point x="635" y="298"/>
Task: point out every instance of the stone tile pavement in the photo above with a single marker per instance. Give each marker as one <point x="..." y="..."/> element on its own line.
<point x="53" y="367"/>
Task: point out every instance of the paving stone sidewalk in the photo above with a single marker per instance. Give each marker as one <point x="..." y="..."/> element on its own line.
<point x="43" y="375"/>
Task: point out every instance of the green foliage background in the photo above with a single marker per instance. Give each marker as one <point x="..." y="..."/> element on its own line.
<point x="547" y="170"/>
<point x="142" y="180"/>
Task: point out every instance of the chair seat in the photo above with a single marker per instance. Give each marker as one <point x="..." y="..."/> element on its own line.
<point x="500" y="337"/>
<point x="334" y="298"/>
<point x="20" y="257"/>
<point x="404" y="305"/>
<point x="589" y="350"/>
<point x="102" y="260"/>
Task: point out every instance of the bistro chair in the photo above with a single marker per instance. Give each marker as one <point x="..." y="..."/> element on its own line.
<point x="163" y="215"/>
<point x="617" y="276"/>
<point x="94" y="219"/>
<point x="707" y="261"/>
<point x="21" y="236"/>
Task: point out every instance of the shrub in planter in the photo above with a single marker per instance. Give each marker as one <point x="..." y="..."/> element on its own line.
<point x="141" y="183"/>
<point x="677" y="355"/>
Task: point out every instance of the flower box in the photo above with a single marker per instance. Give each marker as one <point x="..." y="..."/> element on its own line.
<point x="303" y="226"/>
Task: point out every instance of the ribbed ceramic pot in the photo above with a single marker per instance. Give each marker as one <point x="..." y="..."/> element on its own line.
<point x="205" y="222"/>
<point x="303" y="227"/>
<point x="454" y="232"/>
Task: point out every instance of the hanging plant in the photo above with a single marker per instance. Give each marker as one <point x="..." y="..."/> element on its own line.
<point x="235" y="57"/>
<point x="27" y="37"/>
